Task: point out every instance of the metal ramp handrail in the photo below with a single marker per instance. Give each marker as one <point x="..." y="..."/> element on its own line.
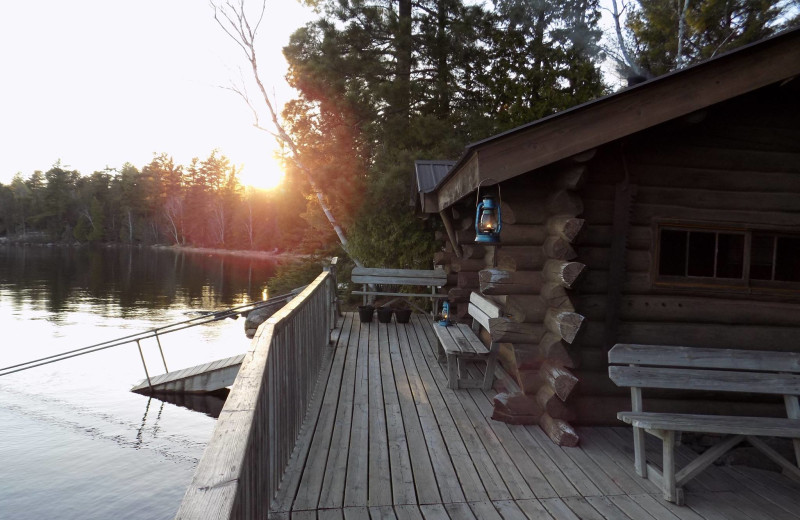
<point x="150" y="333"/>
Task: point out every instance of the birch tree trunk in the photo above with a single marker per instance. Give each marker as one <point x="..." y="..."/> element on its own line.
<point x="232" y="18"/>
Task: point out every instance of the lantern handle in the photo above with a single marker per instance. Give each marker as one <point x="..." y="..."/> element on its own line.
<point x="478" y="192"/>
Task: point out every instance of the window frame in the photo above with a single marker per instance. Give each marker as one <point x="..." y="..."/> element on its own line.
<point x="745" y="283"/>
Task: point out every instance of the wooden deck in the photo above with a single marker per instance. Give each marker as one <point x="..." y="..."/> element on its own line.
<point x="385" y="438"/>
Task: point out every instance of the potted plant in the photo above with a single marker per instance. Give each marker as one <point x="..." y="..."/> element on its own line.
<point x="384" y="314"/>
<point x="365" y="313"/>
<point x="402" y="313"/>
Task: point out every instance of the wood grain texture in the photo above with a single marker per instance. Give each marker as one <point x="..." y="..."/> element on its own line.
<point x="711" y="380"/>
<point x="763" y="426"/>
<point x="254" y="437"/>
<point x="697" y="357"/>
<point x="501" y="470"/>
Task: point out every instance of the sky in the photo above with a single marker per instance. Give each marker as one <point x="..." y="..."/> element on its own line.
<point x="97" y="83"/>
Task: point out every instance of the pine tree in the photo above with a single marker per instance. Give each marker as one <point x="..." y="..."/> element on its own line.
<point x="404" y="81"/>
<point x="710" y="27"/>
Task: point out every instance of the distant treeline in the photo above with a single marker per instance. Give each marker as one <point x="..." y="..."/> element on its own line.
<point x="202" y="204"/>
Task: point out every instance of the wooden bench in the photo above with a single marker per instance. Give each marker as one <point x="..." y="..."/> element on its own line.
<point x="460" y="343"/>
<point x="724" y="370"/>
<point x="374" y="280"/>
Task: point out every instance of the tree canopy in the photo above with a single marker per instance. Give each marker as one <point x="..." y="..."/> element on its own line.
<point x="382" y="83"/>
<point x="665" y="35"/>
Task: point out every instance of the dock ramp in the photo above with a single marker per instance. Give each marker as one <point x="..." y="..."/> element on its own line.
<point x="199" y="379"/>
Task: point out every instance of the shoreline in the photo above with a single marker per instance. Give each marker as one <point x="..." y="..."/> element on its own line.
<point x="241" y="253"/>
<point x="277" y="256"/>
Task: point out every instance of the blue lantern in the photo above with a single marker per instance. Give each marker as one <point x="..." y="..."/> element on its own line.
<point x="445" y="320"/>
<point x="487" y="221"/>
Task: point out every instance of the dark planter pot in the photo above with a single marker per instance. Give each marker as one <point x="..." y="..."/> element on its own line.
<point x="365" y="313"/>
<point x="402" y="315"/>
<point x="384" y="314"/>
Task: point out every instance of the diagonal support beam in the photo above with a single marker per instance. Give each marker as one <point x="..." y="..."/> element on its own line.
<point x="776" y="457"/>
<point x="708" y="457"/>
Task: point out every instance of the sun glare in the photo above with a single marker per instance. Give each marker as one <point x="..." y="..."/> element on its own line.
<point x="265" y="176"/>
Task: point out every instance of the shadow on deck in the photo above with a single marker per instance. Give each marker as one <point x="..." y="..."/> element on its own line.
<point x="385" y="438"/>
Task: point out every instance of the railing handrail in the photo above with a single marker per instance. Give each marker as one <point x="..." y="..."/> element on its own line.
<point x="146" y="334"/>
<point x="241" y="468"/>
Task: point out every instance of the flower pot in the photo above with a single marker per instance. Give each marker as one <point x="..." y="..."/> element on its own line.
<point x="365" y="313"/>
<point x="402" y="315"/>
<point x="384" y="314"/>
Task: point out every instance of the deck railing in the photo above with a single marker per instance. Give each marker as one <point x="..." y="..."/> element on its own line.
<point x="244" y="461"/>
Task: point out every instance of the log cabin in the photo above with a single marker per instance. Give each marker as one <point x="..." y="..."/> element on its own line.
<point x="666" y="213"/>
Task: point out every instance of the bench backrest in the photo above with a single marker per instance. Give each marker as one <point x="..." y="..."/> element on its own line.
<point x="482" y="309"/>
<point x="725" y="370"/>
<point x="374" y="275"/>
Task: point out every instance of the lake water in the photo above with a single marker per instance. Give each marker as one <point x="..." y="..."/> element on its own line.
<point x="74" y="441"/>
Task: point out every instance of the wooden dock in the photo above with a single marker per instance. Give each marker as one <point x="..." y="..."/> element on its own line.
<point x="385" y="438"/>
<point x="199" y="379"/>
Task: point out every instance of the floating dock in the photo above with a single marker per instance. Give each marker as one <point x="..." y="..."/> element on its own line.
<point x="199" y="379"/>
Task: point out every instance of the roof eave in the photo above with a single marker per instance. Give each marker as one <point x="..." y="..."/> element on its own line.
<point x="598" y="122"/>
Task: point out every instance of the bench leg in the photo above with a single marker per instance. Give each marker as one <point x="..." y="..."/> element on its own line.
<point x="671" y="491"/>
<point x="439" y="351"/>
<point x="452" y="371"/>
<point x="488" y="378"/>
<point x="640" y="462"/>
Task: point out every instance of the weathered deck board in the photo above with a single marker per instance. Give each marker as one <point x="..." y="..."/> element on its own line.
<point x="385" y="438"/>
<point x="425" y="479"/>
<point x="467" y="473"/>
<point x="332" y="493"/>
<point x="380" y="486"/>
<point x="402" y="475"/>
<point x="356" y="487"/>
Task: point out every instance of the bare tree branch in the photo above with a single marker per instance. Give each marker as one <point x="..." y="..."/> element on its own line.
<point x="629" y="61"/>
<point x="681" y="32"/>
<point x="233" y="20"/>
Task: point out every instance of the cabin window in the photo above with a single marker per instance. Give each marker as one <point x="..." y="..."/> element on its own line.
<point x="775" y="258"/>
<point x="727" y="257"/>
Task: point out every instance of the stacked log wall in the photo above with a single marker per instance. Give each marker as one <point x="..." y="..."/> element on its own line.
<point x="530" y="276"/>
<point x="737" y="163"/>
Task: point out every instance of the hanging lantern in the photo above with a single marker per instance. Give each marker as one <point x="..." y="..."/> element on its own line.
<point x="445" y="316"/>
<point x="487" y="219"/>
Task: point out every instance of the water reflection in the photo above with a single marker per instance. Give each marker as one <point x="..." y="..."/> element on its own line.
<point x="130" y="277"/>
<point x="209" y="404"/>
<point x="75" y="443"/>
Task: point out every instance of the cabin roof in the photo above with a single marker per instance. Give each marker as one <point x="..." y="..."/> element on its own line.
<point x="584" y="127"/>
<point x="429" y="173"/>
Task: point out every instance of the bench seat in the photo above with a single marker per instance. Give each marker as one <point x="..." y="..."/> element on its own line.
<point x="460" y="343"/>
<point x="706" y="370"/>
<point x="722" y="424"/>
<point x="373" y="278"/>
<point x="459" y="339"/>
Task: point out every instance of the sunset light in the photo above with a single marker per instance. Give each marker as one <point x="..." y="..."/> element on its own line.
<point x="121" y="97"/>
<point x="265" y="175"/>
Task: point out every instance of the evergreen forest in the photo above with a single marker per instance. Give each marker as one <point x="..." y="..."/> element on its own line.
<point x="381" y="83"/>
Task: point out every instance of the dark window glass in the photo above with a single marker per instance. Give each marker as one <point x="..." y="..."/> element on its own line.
<point x="730" y="255"/>
<point x="762" y="248"/>
<point x="672" y="256"/>
<point x="701" y="253"/>
<point x="787" y="259"/>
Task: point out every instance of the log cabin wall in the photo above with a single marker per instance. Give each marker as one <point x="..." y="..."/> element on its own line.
<point x="529" y="275"/>
<point x="735" y="165"/>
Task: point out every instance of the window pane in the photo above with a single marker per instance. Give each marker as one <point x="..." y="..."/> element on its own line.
<point x="787" y="260"/>
<point x="761" y="249"/>
<point x="730" y="255"/>
<point x="672" y="256"/>
<point x="701" y="253"/>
